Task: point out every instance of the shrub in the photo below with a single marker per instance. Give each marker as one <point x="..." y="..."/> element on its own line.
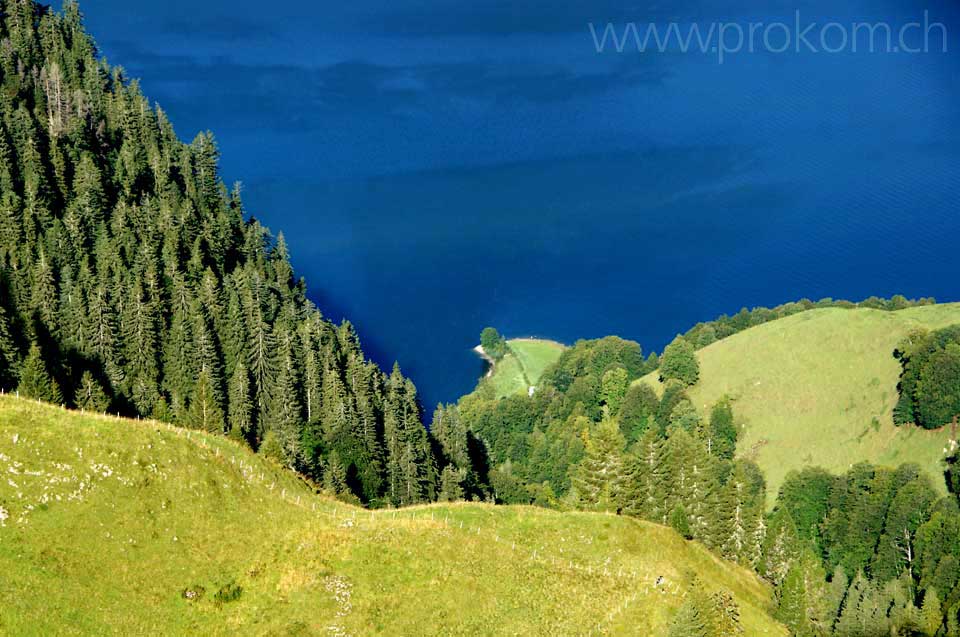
<point x="679" y="362"/>
<point x="229" y="592"/>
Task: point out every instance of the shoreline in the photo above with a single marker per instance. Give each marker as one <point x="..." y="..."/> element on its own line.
<point x="491" y="364"/>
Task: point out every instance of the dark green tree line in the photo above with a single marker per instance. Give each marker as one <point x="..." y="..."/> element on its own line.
<point x="132" y="280"/>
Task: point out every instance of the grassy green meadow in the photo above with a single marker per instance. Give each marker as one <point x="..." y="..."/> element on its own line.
<point x="110" y="526"/>
<point x="819" y="388"/>
<point x="523" y="365"/>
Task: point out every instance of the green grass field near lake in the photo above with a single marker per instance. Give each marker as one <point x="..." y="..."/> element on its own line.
<point x="523" y="365"/>
<point x="818" y="388"/>
<point x="110" y="526"/>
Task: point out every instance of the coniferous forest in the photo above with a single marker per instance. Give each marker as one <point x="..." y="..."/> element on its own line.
<point x="134" y="282"/>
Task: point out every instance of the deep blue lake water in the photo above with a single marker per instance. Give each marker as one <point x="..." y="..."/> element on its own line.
<point x="438" y="167"/>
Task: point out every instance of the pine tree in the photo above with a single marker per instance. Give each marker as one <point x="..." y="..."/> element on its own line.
<point x="411" y="473"/>
<point x="205" y="413"/>
<point x="802" y="598"/>
<point x="645" y="476"/>
<point x="335" y="475"/>
<point x="600" y="478"/>
<point x="240" y="408"/>
<point x="90" y="395"/>
<point x="9" y="360"/>
<point x="102" y="328"/>
<point x="451" y="481"/>
<point x="260" y="348"/>
<point x="449" y="432"/>
<point x="284" y="415"/>
<point x="726" y="614"/>
<point x="931" y="612"/>
<point x="44" y="293"/>
<point x="736" y="511"/>
<point x="696" y="616"/>
<point x="140" y="347"/>
<point x="35" y="381"/>
<point x="781" y="547"/>
<point x="180" y="369"/>
<point x="680" y="523"/>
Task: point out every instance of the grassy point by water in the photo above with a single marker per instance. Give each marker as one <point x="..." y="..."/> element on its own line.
<point x="523" y="365"/>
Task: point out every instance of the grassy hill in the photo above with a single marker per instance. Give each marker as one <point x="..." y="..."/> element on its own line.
<point x="110" y="526"/>
<point x="523" y="365"/>
<point x="818" y="388"/>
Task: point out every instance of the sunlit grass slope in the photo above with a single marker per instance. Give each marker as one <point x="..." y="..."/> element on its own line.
<point x="119" y="527"/>
<point x="818" y="388"/>
<point x="523" y="365"/>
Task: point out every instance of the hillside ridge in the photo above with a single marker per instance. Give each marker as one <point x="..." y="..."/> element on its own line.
<point x="178" y="531"/>
<point x="818" y="389"/>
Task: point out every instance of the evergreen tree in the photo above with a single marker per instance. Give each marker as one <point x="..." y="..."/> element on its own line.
<point x="205" y="413"/>
<point x="931" y="613"/>
<point x="35" y="380"/>
<point x="638" y="410"/>
<point x="284" y="416"/>
<point x="335" y="476"/>
<point x="674" y="392"/>
<point x="696" y="616"/>
<point x="781" y="548"/>
<point x="9" y="362"/>
<point x="680" y="523"/>
<point x="738" y="508"/>
<point x="802" y="598"/>
<point x="600" y="477"/>
<point x="411" y="473"/>
<point x="451" y="481"/>
<point x="90" y="395"/>
<point x="726" y="615"/>
<point x="643" y="495"/>
<point x="240" y="408"/>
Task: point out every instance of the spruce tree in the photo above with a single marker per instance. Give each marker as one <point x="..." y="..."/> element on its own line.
<point x="240" y="409"/>
<point x="204" y="412"/>
<point x="284" y="415"/>
<point x="600" y="478"/>
<point x="637" y="412"/>
<point x="781" y="548"/>
<point x="451" y="484"/>
<point x="35" y="380"/>
<point x="9" y="360"/>
<point x="680" y="523"/>
<point x="90" y="395"/>
<point x="643" y="495"/>
<point x="931" y="613"/>
<point x="726" y="614"/>
<point x="696" y="616"/>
